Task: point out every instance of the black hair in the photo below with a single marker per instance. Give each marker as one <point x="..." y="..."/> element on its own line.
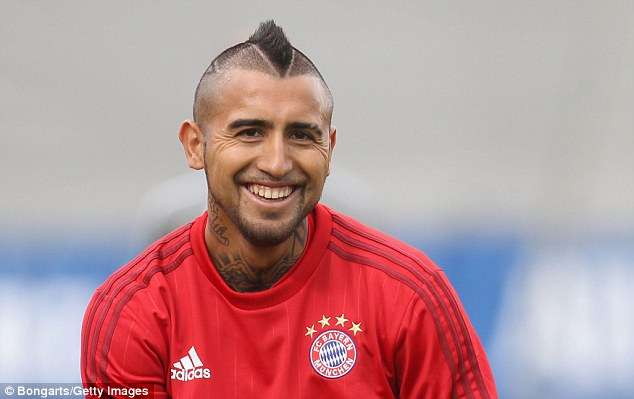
<point x="272" y="41"/>
<point x="268" y="50"/>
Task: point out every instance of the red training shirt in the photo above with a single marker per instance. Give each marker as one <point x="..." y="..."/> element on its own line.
<point x="360" y="315"/>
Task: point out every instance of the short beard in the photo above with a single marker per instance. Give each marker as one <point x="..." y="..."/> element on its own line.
<point x="262" y="235"/>
<point x="259" y="234"/>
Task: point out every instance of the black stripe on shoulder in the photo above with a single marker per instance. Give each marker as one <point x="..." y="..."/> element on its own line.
<point x="424" y="296"/>
<point x="127" y="296"/>
<point x="353" y="228"/>
<point x="160" y="250"/>
<point x="434" y="283"/>
<point x="440" y="293"/>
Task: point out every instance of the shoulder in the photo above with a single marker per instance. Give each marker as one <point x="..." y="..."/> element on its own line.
<point x="131" y="301"/>
<point x="431" y="302"/>
<point x="161" y="257"/>
<point x="369" y="248"/>
<point x="139" y="275"/>
<point x="434" y="316"/>
<point x="364" y="245"/>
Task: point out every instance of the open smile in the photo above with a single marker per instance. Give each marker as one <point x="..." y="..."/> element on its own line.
<point x="272" y="196"/>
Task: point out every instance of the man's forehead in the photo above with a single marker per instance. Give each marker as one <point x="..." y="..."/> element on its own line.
<point x="242" y="90"/>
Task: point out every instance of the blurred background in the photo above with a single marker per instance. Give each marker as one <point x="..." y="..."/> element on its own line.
<point x="497" y="136"/>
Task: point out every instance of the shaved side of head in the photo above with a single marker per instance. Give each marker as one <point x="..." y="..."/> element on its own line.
<point x="268" y="51"/>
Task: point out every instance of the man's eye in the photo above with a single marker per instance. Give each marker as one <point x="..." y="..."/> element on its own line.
<point x="301" y="135"/>
<point x="250" y="133"/>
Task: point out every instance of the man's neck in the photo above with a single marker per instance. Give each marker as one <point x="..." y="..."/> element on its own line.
<point x="246" y="267"/>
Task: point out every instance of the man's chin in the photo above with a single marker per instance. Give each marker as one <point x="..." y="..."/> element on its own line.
<point x="268" y="229"/>
<point x="265" y="236"/>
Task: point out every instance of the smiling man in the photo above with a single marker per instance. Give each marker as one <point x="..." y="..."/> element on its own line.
<point x="268" y="293"/>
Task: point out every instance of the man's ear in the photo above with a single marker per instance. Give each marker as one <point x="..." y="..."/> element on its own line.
<point x="331" y="146"/>
<point x="193" y="141"/>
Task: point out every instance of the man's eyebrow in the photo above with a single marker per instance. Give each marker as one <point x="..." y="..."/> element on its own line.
<point x="305" y="126"/>
<point x="238" y="123"/>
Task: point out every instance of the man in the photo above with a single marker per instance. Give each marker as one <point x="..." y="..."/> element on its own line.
<point x="270" y="294"/>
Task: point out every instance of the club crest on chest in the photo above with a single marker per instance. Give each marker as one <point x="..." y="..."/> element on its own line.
<point x="333" y="351"/>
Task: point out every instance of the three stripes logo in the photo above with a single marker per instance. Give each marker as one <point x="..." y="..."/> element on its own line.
<point x="190" y="367"/>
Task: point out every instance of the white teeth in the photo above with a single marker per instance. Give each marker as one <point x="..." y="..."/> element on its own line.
<point x="270" y="192"/>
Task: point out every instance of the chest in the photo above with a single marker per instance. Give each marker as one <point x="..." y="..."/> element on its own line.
<point x="317" y="344"/>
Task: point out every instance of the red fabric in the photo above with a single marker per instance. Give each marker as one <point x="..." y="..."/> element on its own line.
<point x="415" y="340"/>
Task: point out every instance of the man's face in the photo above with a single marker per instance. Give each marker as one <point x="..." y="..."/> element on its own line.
<point x="267" y="151"/>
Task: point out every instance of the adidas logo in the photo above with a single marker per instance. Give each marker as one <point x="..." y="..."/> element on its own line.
<point x="189" y="367"/>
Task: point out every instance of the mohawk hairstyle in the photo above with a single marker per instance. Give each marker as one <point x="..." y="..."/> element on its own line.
<point x="268" y="50"/>
<point x="272" y="41"/>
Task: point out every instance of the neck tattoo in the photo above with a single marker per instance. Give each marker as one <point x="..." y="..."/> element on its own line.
<point x="242" y="277"/>
<point x="219" y="230"/>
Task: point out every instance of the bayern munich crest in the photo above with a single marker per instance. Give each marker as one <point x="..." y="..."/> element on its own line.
<point x="333" y="352"/>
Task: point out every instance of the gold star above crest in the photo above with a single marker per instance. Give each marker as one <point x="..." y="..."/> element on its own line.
<point x="341" y="320"/>
<point x="310" y="330"/>
<point x="356" y="327"/>
<point x="325" y="321"/>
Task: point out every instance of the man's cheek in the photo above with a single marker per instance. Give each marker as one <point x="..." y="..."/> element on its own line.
<point x="322" y="149"/>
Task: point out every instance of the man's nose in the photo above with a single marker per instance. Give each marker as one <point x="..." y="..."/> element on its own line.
<point x="274" y="158"/>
